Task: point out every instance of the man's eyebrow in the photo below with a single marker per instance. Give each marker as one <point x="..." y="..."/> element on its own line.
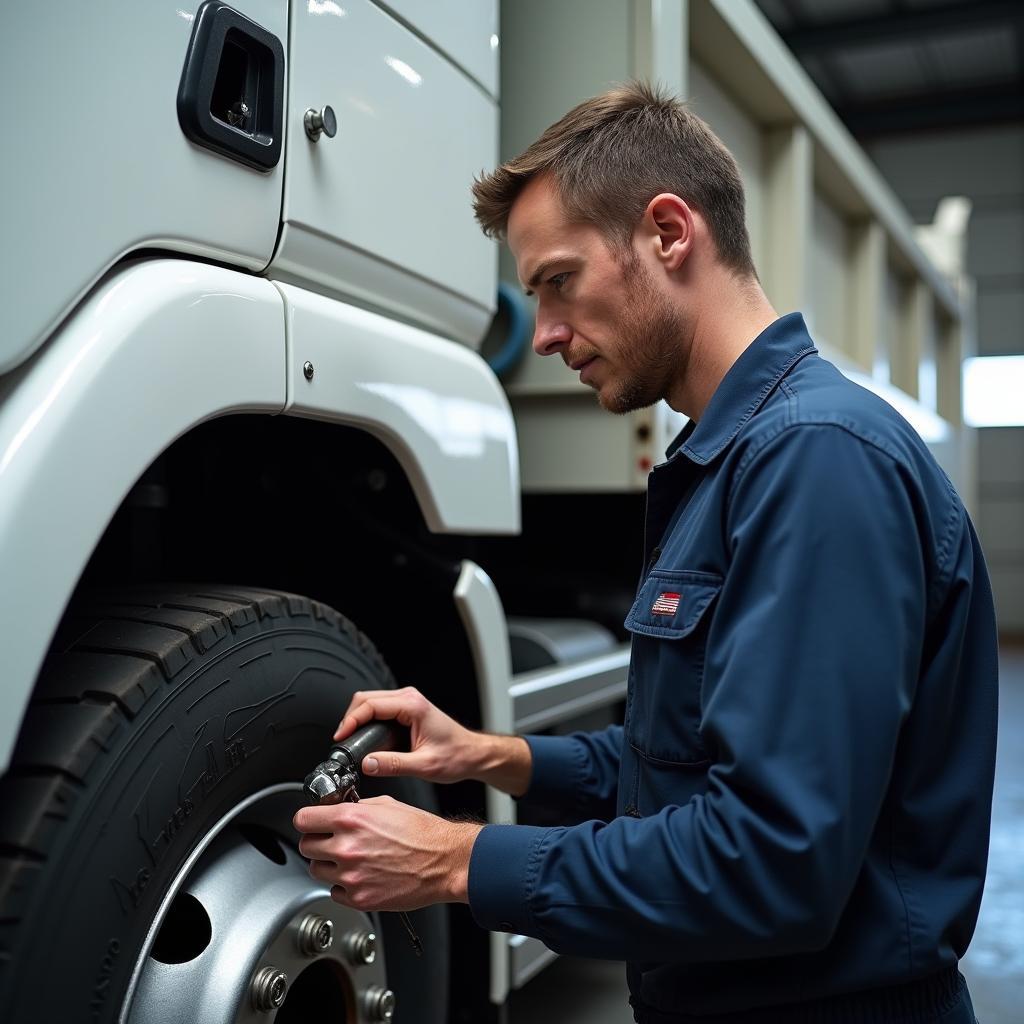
<point x="542" y="268"/>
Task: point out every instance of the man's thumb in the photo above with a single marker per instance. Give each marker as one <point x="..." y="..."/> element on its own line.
<point x="381" y="764"/>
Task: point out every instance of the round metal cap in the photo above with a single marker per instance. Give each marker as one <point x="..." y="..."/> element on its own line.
<point x="329" y="121"/>
<point x="320" y="122"/>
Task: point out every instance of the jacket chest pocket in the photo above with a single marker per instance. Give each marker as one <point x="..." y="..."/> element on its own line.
<point x="669" y="622"/>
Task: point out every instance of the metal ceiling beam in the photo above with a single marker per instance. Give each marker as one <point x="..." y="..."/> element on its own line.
<point x="953" y="109"/>
<point x="845" y="33"/>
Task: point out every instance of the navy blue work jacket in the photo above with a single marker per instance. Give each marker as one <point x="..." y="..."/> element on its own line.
<point x="796" y="809"/>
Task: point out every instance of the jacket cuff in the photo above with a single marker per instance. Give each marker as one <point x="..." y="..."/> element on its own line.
<point x="502" y="873"/>
<point x="559" y="767"/>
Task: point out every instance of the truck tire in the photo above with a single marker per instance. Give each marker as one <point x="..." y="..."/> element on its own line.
<point x="148" y="866"/>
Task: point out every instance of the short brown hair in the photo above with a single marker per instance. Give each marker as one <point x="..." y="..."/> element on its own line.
<point x="615" y="152"/>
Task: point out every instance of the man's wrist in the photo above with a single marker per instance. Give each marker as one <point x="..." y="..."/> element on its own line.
<point x="504" y="762"/>
<point x="464" y="835"/>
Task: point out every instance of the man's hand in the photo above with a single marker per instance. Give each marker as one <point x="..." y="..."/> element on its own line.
<point x="380" y="854"/>
<point x="441" y="750"/>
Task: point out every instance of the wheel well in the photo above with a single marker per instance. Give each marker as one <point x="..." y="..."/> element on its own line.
<point x="298" y="505"/>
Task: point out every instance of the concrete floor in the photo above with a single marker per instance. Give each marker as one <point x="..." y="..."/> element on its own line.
<point x="994" y="965"/>
<point x="573" y="991"/>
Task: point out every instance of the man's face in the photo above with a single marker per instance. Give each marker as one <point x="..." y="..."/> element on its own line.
<point x="602" y="312"/>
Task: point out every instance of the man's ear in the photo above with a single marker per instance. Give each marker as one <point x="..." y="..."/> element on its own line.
<point x="668" y="222"/>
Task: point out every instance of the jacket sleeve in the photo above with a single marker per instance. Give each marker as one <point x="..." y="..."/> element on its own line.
<point x="810" y="670"/>
<point x="577" y="774"/>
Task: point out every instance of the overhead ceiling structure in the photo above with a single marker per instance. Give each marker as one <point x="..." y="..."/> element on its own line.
<point x="902" y="66"/>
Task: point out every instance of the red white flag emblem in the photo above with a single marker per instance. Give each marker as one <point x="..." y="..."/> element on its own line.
<point x="667" y="604"/>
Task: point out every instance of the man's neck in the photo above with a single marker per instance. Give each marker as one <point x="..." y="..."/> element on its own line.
<point x="724" y="328"/>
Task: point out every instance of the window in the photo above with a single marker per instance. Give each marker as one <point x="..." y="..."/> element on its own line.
<point x="994" y="391"/>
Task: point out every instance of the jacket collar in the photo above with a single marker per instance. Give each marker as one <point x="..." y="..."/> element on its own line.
<point x="744" y="389"/>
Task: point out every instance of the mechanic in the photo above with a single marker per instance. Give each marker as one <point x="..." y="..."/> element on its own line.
<point x="792" y="823"/>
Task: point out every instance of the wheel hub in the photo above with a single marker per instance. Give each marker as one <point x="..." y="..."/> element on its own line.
<point x="244" y="935"/>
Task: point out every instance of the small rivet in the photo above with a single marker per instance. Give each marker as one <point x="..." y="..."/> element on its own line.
<point x="307" y="370"/>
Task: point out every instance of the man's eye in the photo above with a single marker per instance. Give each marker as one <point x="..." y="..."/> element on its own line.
<point x="558" y="280"/>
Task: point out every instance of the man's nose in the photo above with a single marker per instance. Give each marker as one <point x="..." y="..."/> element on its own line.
<point x="550" y="336"/>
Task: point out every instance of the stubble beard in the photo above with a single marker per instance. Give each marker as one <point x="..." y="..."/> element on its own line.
<point x="650" y="350"/>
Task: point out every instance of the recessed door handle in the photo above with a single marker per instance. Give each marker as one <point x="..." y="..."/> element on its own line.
<point x="231" y="96"/>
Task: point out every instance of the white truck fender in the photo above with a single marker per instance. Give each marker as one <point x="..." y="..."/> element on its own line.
<point x="153" y="351"/>
<point x="436" y="405"/>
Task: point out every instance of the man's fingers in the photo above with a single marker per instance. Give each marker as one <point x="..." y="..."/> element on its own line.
<point x="356" y="717"/>
<point x="358" y="699"/>
<point x="316" y="847"/>
<point x="324" y="820"/>
<point x="384" y="707"/>
<point x="323" y="870"/>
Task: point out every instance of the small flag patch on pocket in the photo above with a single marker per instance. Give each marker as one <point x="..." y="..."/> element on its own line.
<point x="667" y="604"/>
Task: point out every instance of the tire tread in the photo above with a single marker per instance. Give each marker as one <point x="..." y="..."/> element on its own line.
<point x="112" y="655"/>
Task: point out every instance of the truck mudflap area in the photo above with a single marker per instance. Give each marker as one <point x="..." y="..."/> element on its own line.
<point x="585" y="674"/>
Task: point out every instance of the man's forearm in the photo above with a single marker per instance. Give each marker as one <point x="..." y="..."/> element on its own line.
<point x="504" y="762"/>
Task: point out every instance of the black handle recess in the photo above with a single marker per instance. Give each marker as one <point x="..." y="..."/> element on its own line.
<point x="231" y="96"/>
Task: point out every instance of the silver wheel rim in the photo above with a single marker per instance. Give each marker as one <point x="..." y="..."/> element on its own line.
<point x="241" y="904"/>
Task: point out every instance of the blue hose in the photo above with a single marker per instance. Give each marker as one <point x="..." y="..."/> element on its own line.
<point x="519" y="319"/>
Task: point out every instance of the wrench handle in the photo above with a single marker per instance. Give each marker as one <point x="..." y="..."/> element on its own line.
<point x="378" y="735"/>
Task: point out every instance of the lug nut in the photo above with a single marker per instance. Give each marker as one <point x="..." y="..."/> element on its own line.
<point x="379" y="1003"/>
<point x="316" y="934"/>
<point x="360" y="948"/>
<point x="269" y="987"/>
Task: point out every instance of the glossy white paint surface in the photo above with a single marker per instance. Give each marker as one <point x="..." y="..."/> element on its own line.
<point x="464" y="30"/>
<point x="436" y="405"/>
<point x="160" y="347"/>
<point x="381" y="213"/>
<point x="95" y="162"/>
<point x="483" y="617"/>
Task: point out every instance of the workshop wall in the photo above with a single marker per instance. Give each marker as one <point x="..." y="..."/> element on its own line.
<point x="987" y="166"/>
